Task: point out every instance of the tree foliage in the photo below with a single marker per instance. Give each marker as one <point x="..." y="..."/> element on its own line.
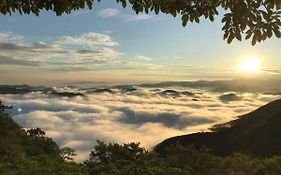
<point x="26" y="152"/>
<point x="4" y="107"/>
<point x="116" y="159"/>
<point x="257" y="20"/>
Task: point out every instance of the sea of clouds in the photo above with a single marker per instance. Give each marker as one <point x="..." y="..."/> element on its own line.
<point x="136" y="114"/>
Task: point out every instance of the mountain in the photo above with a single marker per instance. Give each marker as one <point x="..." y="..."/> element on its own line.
<point x="256" y="133"/>
<point x="30" y="151"/>
<point x="17" y="141"/>
<point x="272" y="86"/>
<point x="19" y="89"/>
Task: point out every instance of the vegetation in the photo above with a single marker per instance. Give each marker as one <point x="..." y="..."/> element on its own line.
<point x="256" y="133"/>
<point x="28" y="152"/>
<point x="258" y="20"/>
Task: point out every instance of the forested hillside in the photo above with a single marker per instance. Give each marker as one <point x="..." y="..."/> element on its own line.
<point x="256" y="133"/>
<point x="30" y="151"/>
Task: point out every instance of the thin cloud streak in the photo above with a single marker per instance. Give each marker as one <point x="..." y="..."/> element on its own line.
<point x="108" y="12"/>
<point x="139" y="17"/>
<point x="112" y="12"/>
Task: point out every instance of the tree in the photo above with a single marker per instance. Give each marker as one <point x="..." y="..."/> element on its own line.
<point x="4" y="107"/>
<point x="257" y="20"/>
<point x="31" y="152"/>
<point x="67" y="154"/>
<point x="36" y="132"/>
<point x="129" y="159"/>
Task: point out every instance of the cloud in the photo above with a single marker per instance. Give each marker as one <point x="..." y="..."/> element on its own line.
<point x="90" y="39"/>
<point x="230" y="97"/>
<point x="141" y="58"/>
<point x="138" y="17"/>
<point x="90" y="49"/>
<point x="111" y="12"/>
<point x="140" y="114"/>
<point x="34" y="47"/>
<point x="11" y="61"/>
<point x="272" y="71"/>
<point x="170" y="120"/>
<point x="8" y="38"/>
<point x="108" y="12"/>
<point x="81" y="12"/>
<point x="99" y="52"/>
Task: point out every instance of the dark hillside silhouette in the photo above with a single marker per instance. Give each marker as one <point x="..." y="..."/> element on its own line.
<point x="256" y="133"/>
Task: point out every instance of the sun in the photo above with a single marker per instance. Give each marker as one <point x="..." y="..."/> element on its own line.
<point x="250" y="65"/>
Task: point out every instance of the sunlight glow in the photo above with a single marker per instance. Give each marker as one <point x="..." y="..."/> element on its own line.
<point x="251" y="65"/>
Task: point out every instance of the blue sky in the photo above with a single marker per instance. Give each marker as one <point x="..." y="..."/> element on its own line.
<point x="145" y="48"/>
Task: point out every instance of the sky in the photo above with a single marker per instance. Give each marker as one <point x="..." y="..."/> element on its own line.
<point x="110" y="44"/>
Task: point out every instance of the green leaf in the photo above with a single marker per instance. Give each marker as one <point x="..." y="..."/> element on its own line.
<point x="230" y="38"/>
<point x="277" y="33"/>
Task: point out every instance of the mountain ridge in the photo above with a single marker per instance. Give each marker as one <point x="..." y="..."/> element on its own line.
<point x="255" y="134"/>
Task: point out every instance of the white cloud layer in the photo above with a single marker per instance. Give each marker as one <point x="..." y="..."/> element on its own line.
<point x="145" y="115"/>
